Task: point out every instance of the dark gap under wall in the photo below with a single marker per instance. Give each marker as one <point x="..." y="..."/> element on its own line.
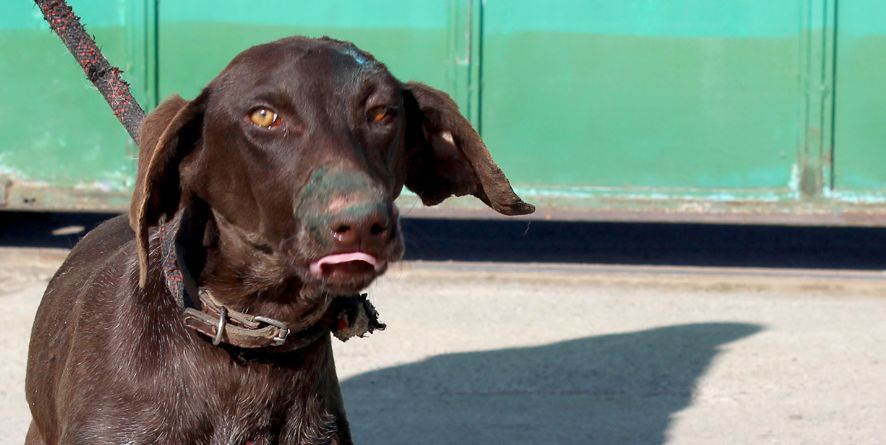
<point x="564" y="242"/>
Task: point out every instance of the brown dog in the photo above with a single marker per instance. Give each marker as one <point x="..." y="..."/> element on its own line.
<point x="205" y="318"/>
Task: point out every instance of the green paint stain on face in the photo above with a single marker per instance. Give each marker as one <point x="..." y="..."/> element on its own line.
<point x="330" y="194"/>
<point x="325" y="184"/>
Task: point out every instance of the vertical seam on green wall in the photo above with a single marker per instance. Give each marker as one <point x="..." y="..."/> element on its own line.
<point x="816" y="153"/>
<point x="135" y="70"/>
<point x="469" y="57"/>
<point x="479" y="35"/>
<point x="151" y="49"/>
<point x="460" y="56"/>
<point x="814" y="171"/>
<point x="826" y="112"/>
<point x="806" y="55"/>
<point x="141" y="30"/>
<point x="832" y="142"/>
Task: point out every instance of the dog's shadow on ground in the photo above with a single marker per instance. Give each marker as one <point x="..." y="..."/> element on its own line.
<point x="612" y="389"/>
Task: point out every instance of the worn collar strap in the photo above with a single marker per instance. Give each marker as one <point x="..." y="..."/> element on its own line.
<point x="228" y="326"/>
<point x="347" y="316"/>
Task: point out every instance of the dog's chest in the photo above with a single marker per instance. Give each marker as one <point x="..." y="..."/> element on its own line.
<point x="263" y="410"/>
<point x="196" y="393"/>
<point x="248" y="424"/>
<point x="234" y="404"/>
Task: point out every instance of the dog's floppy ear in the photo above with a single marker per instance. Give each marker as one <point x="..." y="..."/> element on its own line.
<point x="447" y="157"/>
<point x="165" y="137"/>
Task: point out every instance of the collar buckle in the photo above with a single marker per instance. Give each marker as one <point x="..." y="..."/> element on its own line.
<point x="283" y="329"/>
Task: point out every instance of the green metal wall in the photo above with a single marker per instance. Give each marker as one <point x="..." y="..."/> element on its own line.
<point x="59" y="144"/>
<point x="860" y="112"/>
<point x="668" y="95"/>
<point x="747" y="110"/>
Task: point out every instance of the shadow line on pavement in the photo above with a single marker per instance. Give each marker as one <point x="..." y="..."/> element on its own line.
<point x="611" y="389"/>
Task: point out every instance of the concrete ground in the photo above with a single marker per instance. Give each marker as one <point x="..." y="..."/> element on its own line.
<point x="495" y="353"/>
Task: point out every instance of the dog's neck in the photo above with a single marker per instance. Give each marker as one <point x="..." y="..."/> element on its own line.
<point x="193" y="245"/>
<point x="245" y="274"/>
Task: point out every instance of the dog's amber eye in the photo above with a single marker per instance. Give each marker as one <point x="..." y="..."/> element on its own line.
<point x="379" y="114"/>
<point x="264" y="117"/>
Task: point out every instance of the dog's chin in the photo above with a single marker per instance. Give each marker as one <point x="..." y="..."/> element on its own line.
<point x="347" y="272"/>
<point x="348" y="278"/>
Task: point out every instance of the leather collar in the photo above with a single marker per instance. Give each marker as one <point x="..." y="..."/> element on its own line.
<point x="347" y="316"/>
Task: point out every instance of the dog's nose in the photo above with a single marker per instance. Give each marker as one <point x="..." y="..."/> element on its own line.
<point x="362" y="226"/>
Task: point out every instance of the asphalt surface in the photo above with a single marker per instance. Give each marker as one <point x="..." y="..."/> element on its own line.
<point x="622" y="351"/>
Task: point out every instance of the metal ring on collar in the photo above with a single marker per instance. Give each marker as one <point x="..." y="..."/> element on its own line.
<point x="220" y="329"/>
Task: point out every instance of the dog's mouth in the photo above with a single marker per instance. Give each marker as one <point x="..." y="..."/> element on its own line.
<point x="347" y="272"/>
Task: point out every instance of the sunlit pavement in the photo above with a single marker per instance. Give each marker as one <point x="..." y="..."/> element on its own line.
<point x="488" y="353"/>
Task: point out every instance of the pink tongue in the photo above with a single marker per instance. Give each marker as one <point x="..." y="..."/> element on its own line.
<point x="317" y="266"/>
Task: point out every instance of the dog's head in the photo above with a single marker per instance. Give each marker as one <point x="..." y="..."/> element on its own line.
<point x="300" y="147"/>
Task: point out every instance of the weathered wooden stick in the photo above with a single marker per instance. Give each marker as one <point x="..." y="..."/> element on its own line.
<point x="106" y="77"/>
